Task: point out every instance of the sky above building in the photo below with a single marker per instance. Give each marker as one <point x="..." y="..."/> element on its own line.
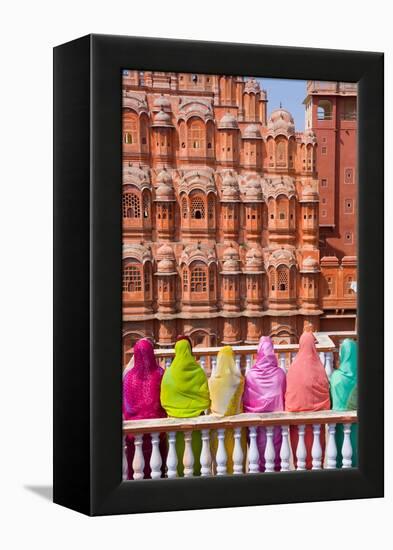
<point x="290" y="93"/>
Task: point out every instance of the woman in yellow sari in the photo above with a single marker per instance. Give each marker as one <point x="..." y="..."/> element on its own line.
<point x="184" y="394"/>
<point x="226" y="386"/>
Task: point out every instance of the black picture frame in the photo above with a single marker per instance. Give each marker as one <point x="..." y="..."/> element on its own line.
<point x="87" y="274"/>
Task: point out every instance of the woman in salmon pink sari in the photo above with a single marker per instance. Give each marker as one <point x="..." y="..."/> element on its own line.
<point x="307" y="390"/>
<point x="264" y="392"/>
<point x="141" y="400"/>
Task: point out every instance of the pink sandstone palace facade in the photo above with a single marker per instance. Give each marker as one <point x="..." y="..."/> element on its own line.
<point x="228" y="232"/>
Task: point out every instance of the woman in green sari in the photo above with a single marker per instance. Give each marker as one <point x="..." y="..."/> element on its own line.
<point x="185" y="394"/>
<point x="343" y="388"/>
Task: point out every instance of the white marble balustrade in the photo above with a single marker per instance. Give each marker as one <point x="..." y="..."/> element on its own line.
<point x="245" y="459"/>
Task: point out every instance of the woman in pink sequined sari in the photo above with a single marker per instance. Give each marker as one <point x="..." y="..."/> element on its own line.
<point x="141" y="400"/>
<point x="264" y="392"/>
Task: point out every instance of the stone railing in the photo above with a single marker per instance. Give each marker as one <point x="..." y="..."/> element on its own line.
<point x="246" y="459"/>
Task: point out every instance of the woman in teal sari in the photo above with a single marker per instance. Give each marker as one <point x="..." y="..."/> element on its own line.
<point x="343" y="388"/>
<point x="185" y="394"/>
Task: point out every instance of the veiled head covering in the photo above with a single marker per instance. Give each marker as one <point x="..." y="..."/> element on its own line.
<point x="130" y="364"/>
<point x="184" y="388"/>
<point x="226" y="384"/>
<point x="184" y="337"/>
<point x="307" y="383"/>
<point x="141" y="384"/>
<point x="265" y="381"/>
<point x="344" y="379"/>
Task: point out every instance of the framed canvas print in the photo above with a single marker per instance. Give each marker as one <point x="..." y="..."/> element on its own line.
<point x="218" y="275"/>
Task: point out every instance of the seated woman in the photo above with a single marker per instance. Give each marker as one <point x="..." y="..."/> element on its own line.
<point x="264" y="392"/>
<point x="307" y="390"/>
<point x="226" y="386"/>
<point x="185" y="394"/>
<point x="343" y="388"/>
<point x="141" y="400"/>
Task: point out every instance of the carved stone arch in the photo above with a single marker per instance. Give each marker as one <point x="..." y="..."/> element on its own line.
<point x="131" y="202"/>
<point x="282" y="206"/>
<point x="184" y="206"/>
<point x="196" y="136"/>
<point x="144" y="125"/>
<point x="270" y="151"/>
<point x="198" y="108"/>
<point x="133" y="101"/>
<point x="202" y="337"/>
<point x="291" y="151"/>
<point x="281" y="151"/>
<point x="137" y="176"/>
<point x="284" y="334"/>
<point x="131" y="128"/>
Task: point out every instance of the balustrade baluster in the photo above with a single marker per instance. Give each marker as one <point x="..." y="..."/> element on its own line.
<point x="285" y="451"/>
<point x="270" y="453"/>
<point x="283" y="361"/>
<point x="331" y="449"/>
<point x="188" y="457"/>
<point x="347" y="447"/>
<point x="221" y="455"/>
<point x="214" y="365"/>
<point x="322" y="358"/>
<point x="253" y="453"/>
<point x="171" y="460"/>
<point x="202" y="362"/>
<point x="155" y="458"/>
<point x="301" y="451"/>
<point x="167" y="362"/>
<point x="238" y="455"/>
<point x="238" y="362"/>
<point x="329" y="363"/>
<point x="138" y="464"/>
<point x="248" y="363"/>
<point x="206" y="457"/>
<point x="316" y="450"/>
<point x="293" y="356"/>
<point x="125" y="461"/>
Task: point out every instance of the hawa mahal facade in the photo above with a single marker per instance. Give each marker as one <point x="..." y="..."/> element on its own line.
<point x="225" y="235"/>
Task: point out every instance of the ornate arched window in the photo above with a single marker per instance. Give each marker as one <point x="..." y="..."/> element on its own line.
<point x="282" y="205"/>
<point x="198" y="283"/>
<point x="348" y="290"/>
<point x="131" y="205"/>
<point x="198" y="208"/>
<point x="272" y="279"/>
<point x="144" y="132"/>
<point x="130" y="128"/>
<point x="281" y="153"/>
<point x="132" y="278"/>
<point x="184" y="208"/>
<point x="282" y="279"/>
<point x="146" y="205"/>
<point x="331" y="285"/>
<point x="324" y="110"/>
<point x="196" y="136"/>
<point x="211" y="207"/>
<point x="147" y="277"/>
<point x="270" y="151"/>
<point x="185" y="280"/>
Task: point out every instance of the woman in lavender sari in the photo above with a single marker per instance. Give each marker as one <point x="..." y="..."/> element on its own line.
<point x="141" y="400"/>
<point x="264" y="392"/>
